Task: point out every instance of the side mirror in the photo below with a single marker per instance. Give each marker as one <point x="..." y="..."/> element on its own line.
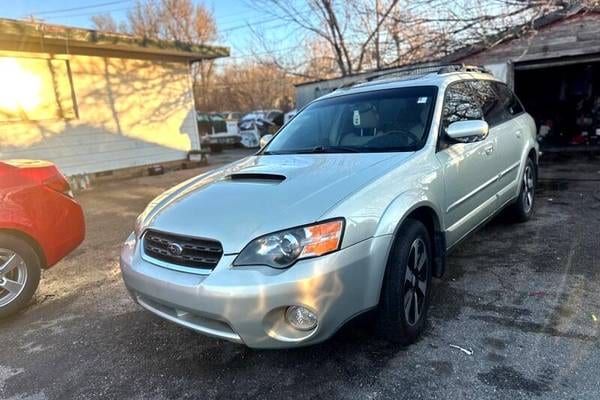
<point x="265" y="139"/>
<point x="468" y="131"/>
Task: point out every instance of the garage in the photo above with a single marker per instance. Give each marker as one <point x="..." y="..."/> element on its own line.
<point x="563" y="96"/>
<point x="553" y="65"/>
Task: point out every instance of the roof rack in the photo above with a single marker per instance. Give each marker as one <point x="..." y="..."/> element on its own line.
<point x="416" y="72"/>
<point x="405" y="72"/>
<point x="446" y="69"/>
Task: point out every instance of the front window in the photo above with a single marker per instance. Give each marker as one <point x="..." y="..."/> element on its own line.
<point x="385" y="120"/>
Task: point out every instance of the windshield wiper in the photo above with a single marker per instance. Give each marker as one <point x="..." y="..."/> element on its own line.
<point x="342" y="149"/>
<point x="330" y="149"/>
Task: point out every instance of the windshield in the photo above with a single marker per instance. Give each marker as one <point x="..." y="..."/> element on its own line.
<point x="385" y="120"/>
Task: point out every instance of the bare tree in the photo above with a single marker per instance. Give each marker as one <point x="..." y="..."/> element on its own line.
<point x="248" y="86"/>
<point x="105" y="22"/>
<point x="185" y="21"/>
<point x="177" y="20"/>
<point x="334" y="23"/>
<point x="145" y="20"/>
<point x="373" y="34"/>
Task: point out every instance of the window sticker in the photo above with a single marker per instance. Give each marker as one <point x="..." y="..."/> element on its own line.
<point x="356" y="118"/>
<point x="422" y="100"/>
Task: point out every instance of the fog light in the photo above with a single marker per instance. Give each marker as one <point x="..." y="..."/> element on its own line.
<point x="301" y="318"/>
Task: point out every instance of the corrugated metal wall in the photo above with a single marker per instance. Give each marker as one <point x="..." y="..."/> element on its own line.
<point x="128" y="113"/>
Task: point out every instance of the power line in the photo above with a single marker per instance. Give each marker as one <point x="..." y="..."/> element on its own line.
<point x="236" y="16"/>
<point x="250" y="24"/>
<point x="96" y="5"/>
<point x="231" y="29"/>
<point x="88" y="14"/>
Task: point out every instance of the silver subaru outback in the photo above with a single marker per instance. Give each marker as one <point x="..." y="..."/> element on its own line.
<point x="350" y="207"/>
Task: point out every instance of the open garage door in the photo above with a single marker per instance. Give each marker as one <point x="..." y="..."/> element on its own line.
<point x="563" y="96"/>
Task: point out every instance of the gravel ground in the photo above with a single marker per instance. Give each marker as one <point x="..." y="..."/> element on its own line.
<point x="525" y="299"/>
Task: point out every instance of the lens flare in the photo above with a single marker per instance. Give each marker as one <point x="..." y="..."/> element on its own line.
<point x="21" y="89"/>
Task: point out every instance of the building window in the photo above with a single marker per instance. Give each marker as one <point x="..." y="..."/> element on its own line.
<point x="35" y="89"/>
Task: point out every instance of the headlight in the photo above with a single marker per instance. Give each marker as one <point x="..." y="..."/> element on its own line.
<point x="282" y="249"/>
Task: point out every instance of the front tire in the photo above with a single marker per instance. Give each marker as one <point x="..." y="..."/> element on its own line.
<point x="522" y="210"/>
<point x="19" y="274"/>
<point x="407" y="285"/>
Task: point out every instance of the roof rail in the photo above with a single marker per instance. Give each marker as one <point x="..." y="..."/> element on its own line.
<point x="398" y="72"/>
<point x="446" y="69"/>
<point x="405" y="72"/>
<point x="416" y="72"/>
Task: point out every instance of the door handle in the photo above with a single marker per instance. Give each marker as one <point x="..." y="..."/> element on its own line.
<point x="518" y="134"/>
<point x="489" y="149"/>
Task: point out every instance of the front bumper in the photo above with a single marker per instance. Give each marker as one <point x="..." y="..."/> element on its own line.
<point x="247" y="304"/>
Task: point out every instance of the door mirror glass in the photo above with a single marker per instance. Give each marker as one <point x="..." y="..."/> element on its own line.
<point x="265" y="139"/>
<point x="468" y="131"/>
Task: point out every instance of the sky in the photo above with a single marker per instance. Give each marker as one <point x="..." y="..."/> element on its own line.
<point x="232" y="17"/>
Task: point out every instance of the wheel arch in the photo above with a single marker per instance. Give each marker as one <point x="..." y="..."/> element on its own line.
<point x="30" y="240"/>
<point x="427" y="213"/>
<point x="430" y="218"/>
<point x="533" y="154"/>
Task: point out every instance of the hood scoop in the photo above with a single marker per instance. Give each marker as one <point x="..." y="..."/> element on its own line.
<point x="256" y="177"/>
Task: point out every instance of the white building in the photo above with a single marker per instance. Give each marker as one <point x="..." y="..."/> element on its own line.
<point x="93" y="102"/>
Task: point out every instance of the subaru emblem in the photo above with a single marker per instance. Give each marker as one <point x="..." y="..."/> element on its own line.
<point x="175" y="249"/>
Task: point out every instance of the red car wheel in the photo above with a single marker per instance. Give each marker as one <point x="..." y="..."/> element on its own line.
<point x="19" y="274"/>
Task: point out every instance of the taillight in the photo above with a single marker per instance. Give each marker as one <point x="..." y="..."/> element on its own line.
<point x="60" y="184"/>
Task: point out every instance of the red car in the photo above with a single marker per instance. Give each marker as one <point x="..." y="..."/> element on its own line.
<point x="40" y="223"/>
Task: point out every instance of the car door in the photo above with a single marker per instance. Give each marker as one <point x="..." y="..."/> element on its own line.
<point x="510" y="141"/>
<point x="469" y="167"/>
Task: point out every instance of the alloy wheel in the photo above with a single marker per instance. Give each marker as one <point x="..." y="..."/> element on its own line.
<point x="528" y="188"/>
<point x="13" y="276"/>
<point x="415" y="282"/>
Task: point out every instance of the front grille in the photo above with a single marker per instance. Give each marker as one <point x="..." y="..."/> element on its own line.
<point x="182" y="250"/>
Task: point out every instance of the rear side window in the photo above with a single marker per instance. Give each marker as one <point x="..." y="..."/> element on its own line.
<point x="460" y="104"/>
<point x="510" y="104"/>
<point x="491" y="105"/>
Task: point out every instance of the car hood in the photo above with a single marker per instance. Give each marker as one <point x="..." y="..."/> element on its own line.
<point x="263" y="194"/>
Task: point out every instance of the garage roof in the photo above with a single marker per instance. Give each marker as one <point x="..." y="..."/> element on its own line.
<point x="41" y="37"/>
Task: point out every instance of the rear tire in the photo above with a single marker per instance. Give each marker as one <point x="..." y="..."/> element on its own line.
<point x="524" y="207"/>
<point x="20" y="272"/>
<point x="407" y="285"/>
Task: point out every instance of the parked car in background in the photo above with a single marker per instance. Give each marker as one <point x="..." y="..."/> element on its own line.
<point x="231" y="119"/>
<point x="209" y="124"/>
<point x="258" y="123"/>
<point x="214" y="135"/>
<point x="263" y="121"/>
<point x="40" y="223"/>
<point x="231" y="115"/>
<point x="355" y="204"/>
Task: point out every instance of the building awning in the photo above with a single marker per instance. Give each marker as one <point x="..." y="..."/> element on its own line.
<point x="23" y="36"/>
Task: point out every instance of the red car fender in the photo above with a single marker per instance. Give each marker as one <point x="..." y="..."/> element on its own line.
<point x="51" y="219"/>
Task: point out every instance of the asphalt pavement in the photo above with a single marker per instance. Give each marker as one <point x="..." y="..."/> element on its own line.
<point x="523" y="301"/>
